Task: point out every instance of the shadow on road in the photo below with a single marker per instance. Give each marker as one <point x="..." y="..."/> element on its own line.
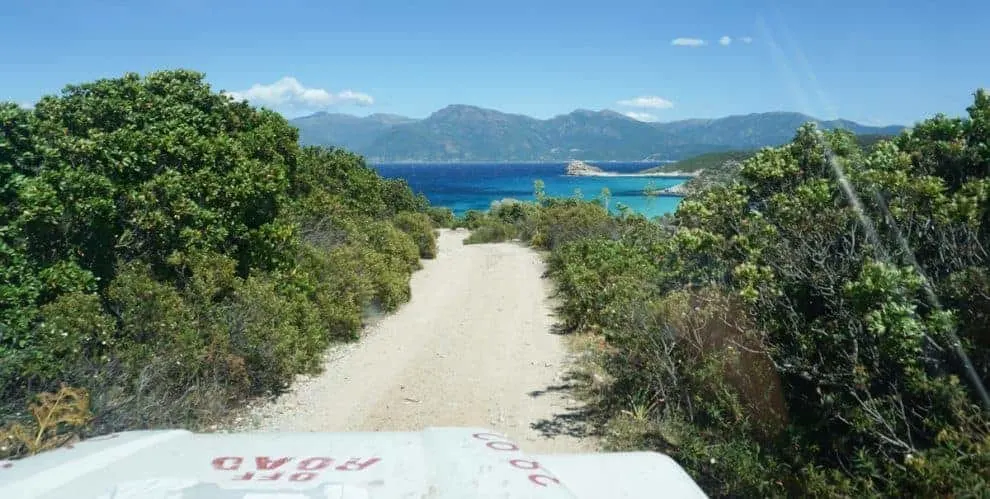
<point x="559" y="330"/>
<point x="577" y="422"/>
<point x="551" y="389"/>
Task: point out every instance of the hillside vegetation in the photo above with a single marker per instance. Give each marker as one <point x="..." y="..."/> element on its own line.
<point x="706" y="162"/>
<point x="779" y="337"/>
<point x="167" y="252"/>
<point x="343" y="130"/>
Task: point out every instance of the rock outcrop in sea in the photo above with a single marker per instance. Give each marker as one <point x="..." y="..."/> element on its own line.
<point x="674" y="190"/>
<point x="580" y="168"/>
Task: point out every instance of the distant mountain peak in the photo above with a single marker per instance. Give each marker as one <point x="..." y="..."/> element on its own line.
<point x="456" y="110"/>
<point x="615" y="114"/>
<point x="462" y="108"/>
<point x="463" y="114"/>
<point x="591" y="114"/>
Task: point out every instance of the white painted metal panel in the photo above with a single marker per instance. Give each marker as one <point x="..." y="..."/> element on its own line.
<point x="436" y="463"/>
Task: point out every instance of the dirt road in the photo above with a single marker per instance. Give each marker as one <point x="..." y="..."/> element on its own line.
<point x="472" y="348"/>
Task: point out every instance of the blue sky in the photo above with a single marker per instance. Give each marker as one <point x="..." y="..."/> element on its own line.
<point x="872" y="61"/>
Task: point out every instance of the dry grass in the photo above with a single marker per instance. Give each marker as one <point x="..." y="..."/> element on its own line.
<point x="714" y="326"/>
<point x="57" y="418"/>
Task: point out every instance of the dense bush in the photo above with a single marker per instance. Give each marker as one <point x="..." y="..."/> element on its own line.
<point x="472" y="219"/>
<point x="793" y="330"/>
<point x="171" y="251"/>
<point x="546" y="223"/>
<point x="565" y="220"/>
<point x="420" y="227"/>
<point x="593" y="274"/>
<point x="441" y="217"/>
<point x="493" y="231"/>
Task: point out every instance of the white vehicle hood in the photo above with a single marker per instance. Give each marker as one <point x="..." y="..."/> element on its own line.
<point x="434" y="463"/>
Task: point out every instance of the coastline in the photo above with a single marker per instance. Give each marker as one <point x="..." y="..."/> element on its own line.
<point x="684" y="175"/>
<point x="578" y="168"/>
<point x="376" y="161"/>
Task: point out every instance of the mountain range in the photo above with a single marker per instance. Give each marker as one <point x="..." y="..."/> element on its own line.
<point x="469" y="133"/>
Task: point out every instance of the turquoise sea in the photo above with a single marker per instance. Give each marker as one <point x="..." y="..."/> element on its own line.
<point x="473" y="186"/>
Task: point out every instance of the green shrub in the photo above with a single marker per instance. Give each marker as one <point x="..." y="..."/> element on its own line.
<point x="397" y="247"/>
<point x="512" y="211"/>
<point x="155" y="318"/>
<point x="420" y="228"/>
<point x="277" y="334"/>
<point x="565" y="220"/>
<point x="471" y="220"/>
<point x="391" y="284"/>
<point x="73" y="330"/>
<point x="335" y="282"/>
<point x="492" y="231"/>
<point x="441" y="217"/>
<point x="398" y="197"/>
<point x="594" y="275"/>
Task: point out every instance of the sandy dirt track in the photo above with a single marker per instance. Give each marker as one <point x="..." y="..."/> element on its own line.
<point x="473" y="347"/>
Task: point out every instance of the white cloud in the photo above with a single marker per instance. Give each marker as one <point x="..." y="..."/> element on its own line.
<point x="746" y="39"/>
<point x="288" y="95"/>
<point x="687" y="42"/>
<point x="724" y="41"/>
<point x="359" y="98"/>
<point x="26" y="105"/>
<point x="650" y="101"/>
<point x="641" y="116"/>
